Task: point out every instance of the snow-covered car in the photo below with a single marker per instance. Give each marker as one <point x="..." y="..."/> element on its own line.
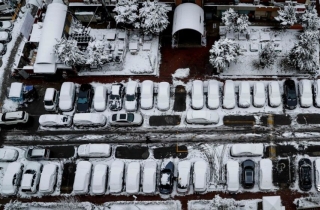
<point x="197" y="100"/>
<point x="126" y="119"/>
<point x="163" y="97"/>
<point x="31" y="177"/>
<point x="82" y="177"/>
<point x="265" y="174"/>
<point x="11" y="179"/>
<point x="133" y="178"/>
<point x="37" y="154"/>
<point x="305" y="93"/>
<point x="94" y="150"/>
<point x="89" y="120"/>
<point x="3" y="49"/>
<point x="259" y="94"/>
<point x="244" y="94"/>
<point x="213" y="97"/>
<point x="5" y="37"/>
<point x="131" y="97"/>
<point x="55" y="120"/>
<point x="200" y="172"/>
<point x="316" y="169"/>
<point x="274" y="94"/>
<point x="115" y="98"/>
<point x="229" y="99"/>
<point x="13" y="118"/>
<point x="238" y="150"/>
<point x="316" y="89"/>
<point x="146" y="98"/>
<point x="184" y="171"/>
<point x="149" y="177"/>
<point x="99" y="179"/>
<point x="67" y="96"/>
<point x="48" y="178"/>
<point x="8" y="155"/>
<point x="100" y="98"/>
<point x="166" y="178"/>
<point x="6" y="25"/>
<point x="51" y="99"/>
<point x="232" y="176"/>
<point x="202" y="117"/>
<point x="116" y="176"/>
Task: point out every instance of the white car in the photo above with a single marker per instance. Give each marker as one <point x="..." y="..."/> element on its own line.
<point x="82" y="177"/>
<point x="13" y="118"/>
<point x="200" y="172"/>
<point x="197" y="100"/>
<point x="184" y="170"/>
<point x="48" y="178"/>
<point x="202" y="117"/>
<point x="94" y="150"/>
<point x="146" y="94"/>
<point x="232" y="176"/>
<point x="316" y="167"/>
<point x="316" y="89"/>
<point x="67" y="96"/>
<point x="213" y="98"/>
<point x="11" y="179"/>
<point x="31" y="177"/>
<point x="274" y="94"/>
<point x="238" y="150"/>
<point x="6" y="25"/>
<point x="8" y="155"/>
<point x="3" y="49"/>
<point x="51" y="99"/>
<point x="5" y="36"/>
<point x="265" y="174"/>
<point x="99" y="179"/>
<point x="259" y="94"/>
<point x="229" y="99"/>
<point x="305" y="93"/>
<point x="244" y="94"/>
<point x="126" y="119"/>
<point x="149" y="177"/>
<point x="131" y="98"/>
<point x="163" y="97"/>
<point x="100" y="98"/>
<point x="116" y="176"/>
<point x="89" y="120"/>
<point x="55" y="120"/>
<point x="133" y="178"/>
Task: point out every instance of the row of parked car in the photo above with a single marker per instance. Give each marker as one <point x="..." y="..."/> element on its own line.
<point x="5" y="35"/>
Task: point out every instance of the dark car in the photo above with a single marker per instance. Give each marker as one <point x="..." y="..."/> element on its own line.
<point x="38" y="154"/>
<point x="85" y="98"/>
<point x="305" y="170"/>
<point x="166" y="179"/>
<point x="115" y="100"/>
<point x="290" y="94"/>
<point x="248" y="174"/>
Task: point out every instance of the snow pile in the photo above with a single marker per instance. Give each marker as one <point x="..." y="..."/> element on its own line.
<point x="181" y="73"/>
<point x="307" y="202"/>
<point x="9" y="106"/>
<point x="165" y="179"/>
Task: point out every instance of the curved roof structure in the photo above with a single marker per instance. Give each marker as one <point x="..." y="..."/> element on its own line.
<point x="188" y="16"/>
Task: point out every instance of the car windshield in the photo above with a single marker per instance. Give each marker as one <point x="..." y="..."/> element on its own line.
<point x="292" y="94"/>
<point x="1" y="24"/>
<point x="48" y="103"/>
<point x="113" y="97"/>
<point x="82" y="100"/>
<point x="249" y="176"/>
<point x="130" y="97"/>
<point x="130" y="117"/>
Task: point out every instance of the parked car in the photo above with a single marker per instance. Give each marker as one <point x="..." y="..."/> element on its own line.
<point x="197" y="101"/>
<point x="3" y="49"/>
<point x="254" y="149"/>
<point x="13" y="118"/>
<point x="116" y="176"/>
<point x="149" y="181"/>
<point x="202" y="117"/>
<point x="31" y="177"/>
<point x="6" y="25"/>
<point x="67" y="96"/>
<point x="48" y="178"/>
<point x="265" y="174"/>
<point x="37" y="154"/>
<point x="316" y="91"/>
<point x="290" y="94"/>
<point x="94" y="150"/>
<point x="166" y="178"/>
<point x="5" y="37"/>
<point x="11" y="179"/>
<point x="82" y="178"/>
<point x="305" y="93"/>
<point x="316" y="169"/>
<point x="259" y="94"/>
<point x="274" y="94"/>
<point x="99" y="179"/>
<point x="126" y="119"/>
<point x="232" y="176"/>
<point x="146" y="98"/>
<point x="84" y="98"/>
<point x="115" y="98"/>
<point x="51" y="99"/>
<point x="100" y="98"/>
<point x="244" y="94"/>
<point x="305" y="171"/>
<point x="8" y="155"/>
<point x="200" y="172"/>
<point x="213" y="97"/>
<point x="229" y="99"/>
<point x="89" y="120"/>
<point x="131" y="97"/>
<point x="55" y="120"/>
<point x="133" y="178"/>
<point x="163" y="97"/>
<point x="184" y="171"/>
<point x="248" y="174"/>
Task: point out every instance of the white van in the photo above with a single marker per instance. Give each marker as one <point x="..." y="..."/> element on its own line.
<point x="116" y="176"/>
<point x="232" y="176"/>
<point x="48" y="178"/>
<point x="89" y="119"/>
<point x="67" y="96"/>
<point x="184" y="168"/>
<point x="82" y="178"/>
<point x="133" y="178"/>
<point x="316" y="165"/>
<point x="265" y="174"/>
<point x="149" y="177"/>
<point x="238" y="150"/>
<point x="51" y="99"/>
<point x="229" y="96"/>
<point x="200" y="172"/>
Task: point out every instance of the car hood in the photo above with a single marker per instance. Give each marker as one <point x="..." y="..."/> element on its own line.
<point x="6" y="24"/>
<point x="163" y="105"/>
<point x="7" y="189"/>
<point x="292" y="102"/>
<point x="65" y="105"/>
<point x="100" y="105"/>
<point x="213" y="102"/>
<point x="259" y="101"/>
<point x="306" y="101"/>
<point x="229" y="102"/>
<point x="146" y="102"/>
<point x="137" y="119"/>
<point x="197" y="103"/>
<point x="245" y="101"/>
<point x="275" y="101"/>
<point x="130" y="105"/>
<point x="9" y="155"/>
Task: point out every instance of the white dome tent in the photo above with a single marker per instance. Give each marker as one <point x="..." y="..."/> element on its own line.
<point x="272" y="203"/>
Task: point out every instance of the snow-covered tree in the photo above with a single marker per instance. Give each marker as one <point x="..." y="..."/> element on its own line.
<point x="223" y="52"/>
<point x="287" y="16"/>
<point x="127" y="12"/>
<point x="97" y="54"/>
<point x="68" y="52"/>
<point x="242" y="23"/>
<point x="310" y="20"/>
<point x="153" y="17"/>
<point x="310" y="36"/>
<point x="233" y="21"/>
<point x="268" y="55"/>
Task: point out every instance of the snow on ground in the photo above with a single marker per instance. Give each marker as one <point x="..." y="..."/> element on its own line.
<point x="181" y="73"/>
<point x="9" y="106"/>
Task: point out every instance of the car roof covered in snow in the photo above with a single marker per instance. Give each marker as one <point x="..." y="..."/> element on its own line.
<point x="56" y="118"/>
<point x="12" y="169"/>
<point x="49" y="94"/>
<point x="81" y="175"/>
<point x="149" y="176"/>
<point x="232" y="175"/>
<point x="184" y="172"/>
<point x="116" y="175"/>
<point x="15" y="90"/>
<point x="47" y="172"/>
<point x="200" y="179"/>
<point x="213" y="87"/>
<point x="247" y="149"/>
<point x="131" y="87"/>
<point x="92" y="117"/>
<point x="265" y="174"/>
<point x="99" y="173"/>
<point x="144" y="90"/>
<point x="162" y="88"/>
<point x="133" y="177"/>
